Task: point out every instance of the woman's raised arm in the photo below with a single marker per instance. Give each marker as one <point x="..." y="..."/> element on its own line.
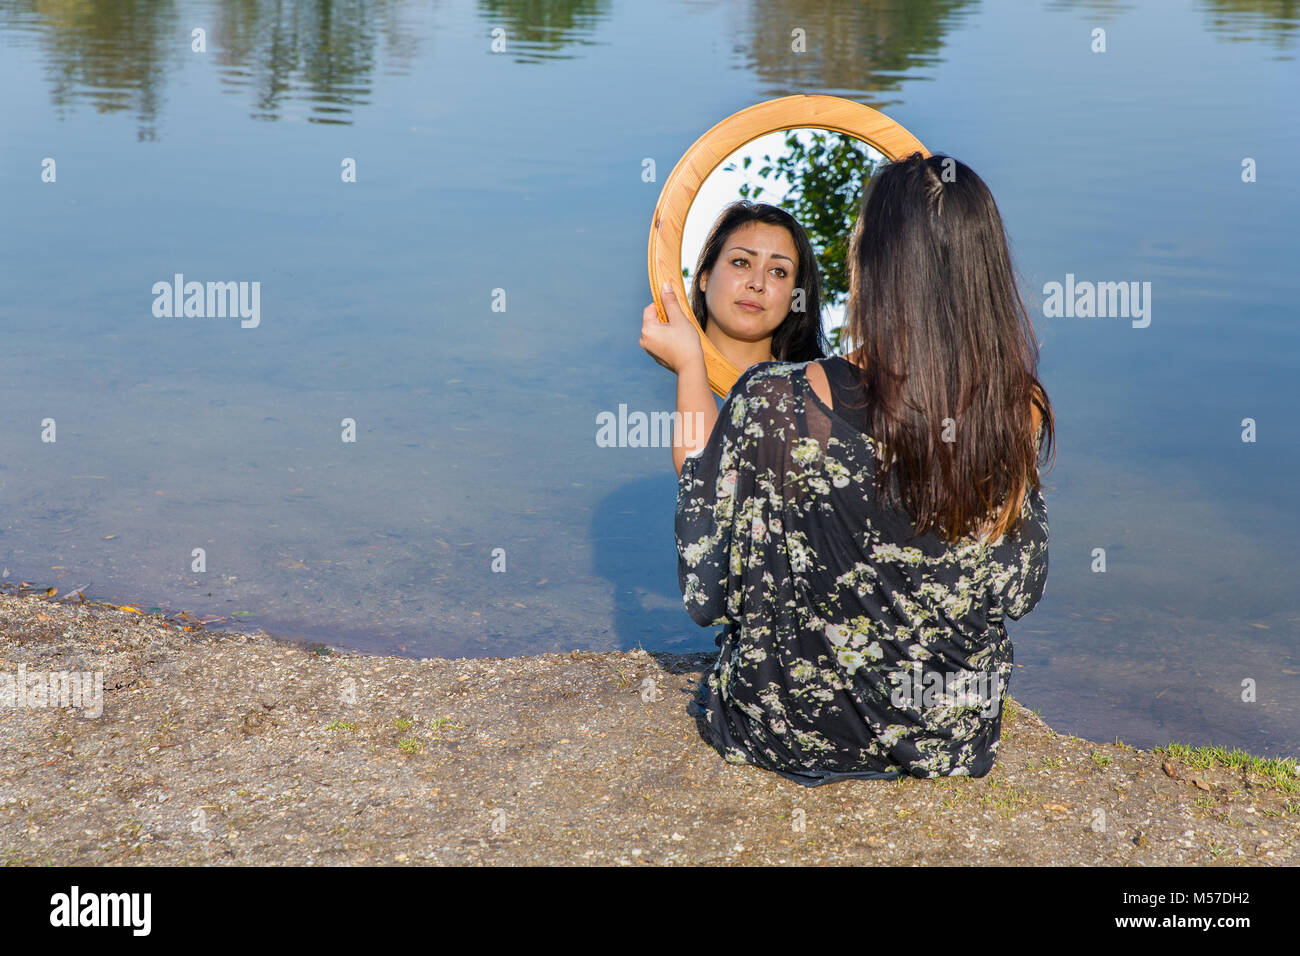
<point x="676" y="346"/>
<point x="696" y="412"/>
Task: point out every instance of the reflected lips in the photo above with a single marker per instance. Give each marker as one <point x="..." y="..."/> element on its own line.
<point x="750" y="306"/>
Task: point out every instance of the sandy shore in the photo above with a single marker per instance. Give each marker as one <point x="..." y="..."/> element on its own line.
<point x="218" y="748"/>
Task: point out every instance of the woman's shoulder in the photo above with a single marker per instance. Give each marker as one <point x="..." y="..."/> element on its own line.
<point x="762" y="377"/>
<point x="820" y="374"/>
<point x="778" y="368"/>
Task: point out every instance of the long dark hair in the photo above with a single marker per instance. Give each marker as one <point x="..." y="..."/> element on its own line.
<point x="937" y="321"/>
<point x="799" y="337"/>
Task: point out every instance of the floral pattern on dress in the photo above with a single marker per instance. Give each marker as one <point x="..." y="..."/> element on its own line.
<point x="850" y="647"/>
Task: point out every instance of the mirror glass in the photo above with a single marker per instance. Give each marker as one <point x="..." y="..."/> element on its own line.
<point x="817" y="176"/>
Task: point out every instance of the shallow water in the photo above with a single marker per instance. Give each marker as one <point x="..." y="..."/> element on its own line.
<point x="522" y="171"/>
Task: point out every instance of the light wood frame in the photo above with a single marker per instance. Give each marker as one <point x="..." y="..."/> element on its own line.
<point x="679" y="190"/>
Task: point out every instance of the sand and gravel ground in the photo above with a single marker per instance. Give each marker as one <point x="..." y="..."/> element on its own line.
<point x="217" y="748"/>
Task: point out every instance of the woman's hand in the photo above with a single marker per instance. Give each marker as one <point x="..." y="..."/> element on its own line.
<point x="676" y="344"/>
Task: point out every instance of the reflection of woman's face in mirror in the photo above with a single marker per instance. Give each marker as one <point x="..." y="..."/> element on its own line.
<point x="749" y="289"/>
<point x="805" y="187"/>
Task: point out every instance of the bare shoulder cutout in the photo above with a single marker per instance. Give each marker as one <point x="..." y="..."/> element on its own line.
<point x="817" y="379"/>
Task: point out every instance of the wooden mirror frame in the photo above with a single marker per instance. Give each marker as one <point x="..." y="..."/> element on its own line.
<point x="801" y="111"/>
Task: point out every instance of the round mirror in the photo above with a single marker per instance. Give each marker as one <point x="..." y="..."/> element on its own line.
<point x="808" y="155"/>
<point x="817" y="176"/>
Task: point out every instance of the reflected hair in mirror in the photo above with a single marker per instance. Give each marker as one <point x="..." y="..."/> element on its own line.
<point x="799" y="337"/>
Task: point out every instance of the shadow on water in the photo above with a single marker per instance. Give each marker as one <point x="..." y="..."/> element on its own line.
<point x="633" y="549"/>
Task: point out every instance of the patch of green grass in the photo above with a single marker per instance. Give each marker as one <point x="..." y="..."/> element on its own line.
<point x="1100" y="759"/>
<point x="403" y="723"/>
<point x="340" y="725"/>
<point x="1278" y="773"/>
<point x="409" y="745"/>
<point x="438" y="723"/>
<point x="1007" y="798"/>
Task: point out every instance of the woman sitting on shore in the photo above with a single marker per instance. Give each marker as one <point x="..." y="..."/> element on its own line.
<point x="862" y="528"/>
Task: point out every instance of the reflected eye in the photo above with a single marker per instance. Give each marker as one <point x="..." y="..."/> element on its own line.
<point x="742" y="261"/>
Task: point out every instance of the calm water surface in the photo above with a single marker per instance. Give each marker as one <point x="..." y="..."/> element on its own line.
<point x="521" y="171"/>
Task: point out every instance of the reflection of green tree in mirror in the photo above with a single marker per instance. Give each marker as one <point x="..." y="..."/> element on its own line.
<point x="825" y="176"/>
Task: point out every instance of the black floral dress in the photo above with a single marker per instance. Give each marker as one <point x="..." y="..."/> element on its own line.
<point x="850" y="648"/>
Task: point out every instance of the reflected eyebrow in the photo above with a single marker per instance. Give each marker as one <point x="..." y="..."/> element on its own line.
<point x="775" y="255"/>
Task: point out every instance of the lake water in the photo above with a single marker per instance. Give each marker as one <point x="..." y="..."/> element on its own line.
<point x="521" y="171"/>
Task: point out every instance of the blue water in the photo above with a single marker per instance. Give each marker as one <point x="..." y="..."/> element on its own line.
<point x="521" y="171"/>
